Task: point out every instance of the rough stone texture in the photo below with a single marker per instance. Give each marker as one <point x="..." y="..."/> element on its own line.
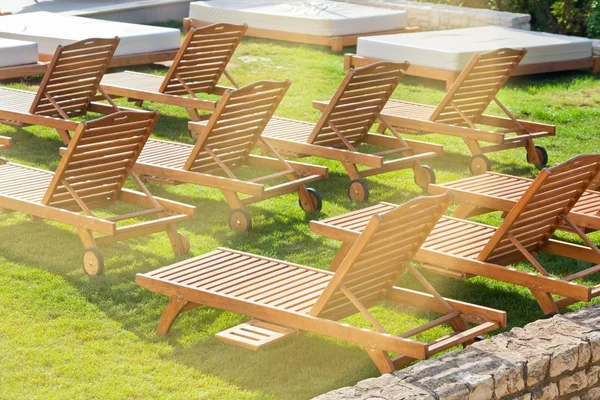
<point x="432" y="17"/>
<point x="557" y="358"/>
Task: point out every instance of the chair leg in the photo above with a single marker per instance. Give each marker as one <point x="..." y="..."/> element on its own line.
<point x="464" y="211"/>
<point x="382" y="361"/>
<point x="87" y="238"/>
<point x="174" y="308"/>
<point x="179" y="242"/>
<point x="64" y="135"/>
<point x="545" y="301"/>
<point x="532" y="152"/>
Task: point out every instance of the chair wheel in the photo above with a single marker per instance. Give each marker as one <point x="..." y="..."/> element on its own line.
<point x="480" y="164"/>
<point x="425" y="176"/>
<point x="240" y="220"/>
<point x="185" y="243"/>
<point x="93" y="262"/>
<point x="542" y="155"/>
<point x="315" y="202"/>
<point x="358" y="190"/>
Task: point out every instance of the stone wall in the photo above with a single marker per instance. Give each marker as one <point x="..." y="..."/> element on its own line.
<point x="557" y="358"/>
<point x="432" y="17"/>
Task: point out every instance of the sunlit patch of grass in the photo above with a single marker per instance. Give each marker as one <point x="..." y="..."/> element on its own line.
<point x="64" y="335"/>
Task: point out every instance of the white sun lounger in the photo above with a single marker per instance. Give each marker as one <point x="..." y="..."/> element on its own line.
<point x="140" y="44"/>
<point x="328" y="23"/>
<point x="443" y="55"/>
<point x="19" y="58"/>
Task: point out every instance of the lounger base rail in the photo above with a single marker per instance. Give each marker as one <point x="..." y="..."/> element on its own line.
<point x="593" y="63"/>
<point x="21" y="71"/>
<point x="132" y="59"/>
<point x="337" y="43"/>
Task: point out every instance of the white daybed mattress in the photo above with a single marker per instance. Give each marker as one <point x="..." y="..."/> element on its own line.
<point x="310" y="17"/>
<point x="17" y="52"/>
<point x="452" y="49"/>
<point x="49" y="30"/>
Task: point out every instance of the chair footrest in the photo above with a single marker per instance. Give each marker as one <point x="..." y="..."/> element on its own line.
<point x="255" y="334"/>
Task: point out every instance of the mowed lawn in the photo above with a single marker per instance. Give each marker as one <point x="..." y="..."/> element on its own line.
<point x="65" y="335"/>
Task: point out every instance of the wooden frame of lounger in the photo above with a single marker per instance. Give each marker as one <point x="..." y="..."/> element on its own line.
<point x="5" y="142"/>
<point x="224" y="144"/>
<point x="461" y="112"/>
<point x="91" y="175"/>
<point x="463" y="249"/>
<point x="40" y="67"/>
<point x="196" y="69"/>
<point x="294" y="297"/>
<point x="20" y="71"/>
<point x="66" y="91"/>
<point x="345" y="125"/>
<point x="593" y="63"/>
<point x="337" y="43"/>
<point x="499" y="192"/>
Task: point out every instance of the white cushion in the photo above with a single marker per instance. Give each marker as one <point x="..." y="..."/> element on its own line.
<point x="451" y="50"/>
<point x="311" y="17"/>
<point x="17" y="52"/>
<point x="49" y="30"/>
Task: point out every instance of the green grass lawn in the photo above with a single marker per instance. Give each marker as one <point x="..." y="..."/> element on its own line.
<point x="64" y="335"/>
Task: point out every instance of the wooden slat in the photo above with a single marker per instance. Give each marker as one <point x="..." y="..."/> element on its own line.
<point x="99" y="169"/>
<point x="73" y="77"/>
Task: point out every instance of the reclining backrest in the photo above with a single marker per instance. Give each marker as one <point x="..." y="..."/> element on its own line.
<point x="380" y="255"/>
<point x="94" y="164"/>
<point x="477" y="86"/>
<point x="540" y="211"/>
<point x="202" y="58"/>
<point x="357" y="103"/>
<point x="73" y="77"/>
<point x="235" y="126"/>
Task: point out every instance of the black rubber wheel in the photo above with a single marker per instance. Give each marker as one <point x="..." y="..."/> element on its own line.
<point x="542" y="155"/>
<point x="425" y="177"/>
<point x="93" y="262"/>
<point x="480" y="164"/>
<point x="240" y="220"/>
<point x="316" y="201"/>
<point x="358" y="190"/>
<point x="185" y="243"/>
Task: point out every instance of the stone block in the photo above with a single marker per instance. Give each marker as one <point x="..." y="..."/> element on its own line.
<point x="572" y="383"/>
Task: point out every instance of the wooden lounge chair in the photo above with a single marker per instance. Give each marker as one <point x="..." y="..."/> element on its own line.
<point x="91" y="175"/>
<point x="225" y="144"/>
<point x="460" y="113"/>
<point x="500" y="192"/>
<point x="345" y="125"/>
<point x="70" y="83"/>
<point x="286" y="298"/>
<point x="197" y="68"/>
<point x="464" y="249"/>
